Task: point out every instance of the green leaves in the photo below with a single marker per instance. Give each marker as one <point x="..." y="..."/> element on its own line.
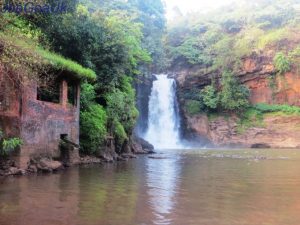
<point x="193" y="107"/>
<point x="121" y="105"/>
<point x="210" y="97"/>
<point x="93" y="122"/>
<point x="231" y="34"/>
<point x="8" y="144"/>
<point x="233" y="96"/>
<point x="282" y="63"/>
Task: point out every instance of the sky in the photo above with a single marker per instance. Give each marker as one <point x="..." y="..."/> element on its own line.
<point x="186" y="6"/>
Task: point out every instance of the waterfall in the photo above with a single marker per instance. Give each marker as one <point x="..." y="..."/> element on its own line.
<point x="163" y="122"/>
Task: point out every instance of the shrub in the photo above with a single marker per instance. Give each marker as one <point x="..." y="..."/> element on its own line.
<point x="121" y="105"/>
<point x="210" y="97"/>
<point x="193" y="107"/>
<point x="93" y="128"/>
<point x="192" y="51"/>
<point x="282" y="63"/>
<point x="8" y="145"/>
<point x="120" y="135"/>
<point x="87" y="95"/>
<point x="272" y="37"/>
<point x="250" y="118"/>
<point x="265" y="108"/>
<point x="233" y="95"/>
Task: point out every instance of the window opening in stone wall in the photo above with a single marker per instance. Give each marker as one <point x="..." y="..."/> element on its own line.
<point x="49" y="92"/>
<point x="72" y="93"/>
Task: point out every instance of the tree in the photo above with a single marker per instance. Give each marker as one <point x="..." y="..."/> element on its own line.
<point x="151" y="13"/>
<point x="233" y="96"/>
<point x="210" y="97"/>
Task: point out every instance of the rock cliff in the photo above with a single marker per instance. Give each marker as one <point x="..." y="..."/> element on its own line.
<point x="258" y="73"/>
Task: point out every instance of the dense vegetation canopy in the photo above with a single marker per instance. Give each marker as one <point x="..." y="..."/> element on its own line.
<point x="106" y="42"/>
<point x="215" y="44"/>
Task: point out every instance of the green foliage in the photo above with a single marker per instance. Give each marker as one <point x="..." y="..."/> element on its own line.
<point x="294" y="57"/>
<point x="295" y="53"/>
<point x="121" y="105"/>
<point x="250" y="118"/>
<point x="16" y="26"/>
<point x="120" y="134"/>
<point x="93" y="131"/>
<point x="20" y="40"/>
<point x="151" y="14"/>
<point x="113" y="39"/>
<point x="233" y="95"/>
<point x="193" y="107"/>
<point x="87" y="95"/>
<point x="210" y="97"/>
<point x="282" y="63"/>
<point x="107" y="40"/>
<point x="59" y="62"/>
<point x="191" y="51"/>
<point x="8" y="144"/>
<point x="224" y="36"/>
<point x="271" y="37"/>
<point x="265" y="108"/>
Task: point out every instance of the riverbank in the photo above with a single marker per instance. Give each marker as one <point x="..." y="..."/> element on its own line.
<point x="47" y="164"/>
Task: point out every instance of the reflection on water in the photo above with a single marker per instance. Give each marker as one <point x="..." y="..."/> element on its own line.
<point x="162" y="180"/>
<point x="177" y="188"/>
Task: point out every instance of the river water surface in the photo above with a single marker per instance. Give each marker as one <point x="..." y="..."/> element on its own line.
<point x="176" y="187"/>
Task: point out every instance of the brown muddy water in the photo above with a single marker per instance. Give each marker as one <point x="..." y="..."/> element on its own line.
<point x="175" y="187"/>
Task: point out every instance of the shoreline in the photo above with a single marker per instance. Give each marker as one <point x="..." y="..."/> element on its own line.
<point x="51" y="166"/>
<point x="48" y="166"/>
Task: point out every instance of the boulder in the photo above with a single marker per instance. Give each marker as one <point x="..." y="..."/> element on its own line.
<point x="47" y="165"/>
<point x="32" y="169"/>
<point x="15" y="171"/>
<point x="141" y="146"/>
<point x="108" y="155"/>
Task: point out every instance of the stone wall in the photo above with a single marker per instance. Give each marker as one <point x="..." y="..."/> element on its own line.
<point x="40" y="124"/>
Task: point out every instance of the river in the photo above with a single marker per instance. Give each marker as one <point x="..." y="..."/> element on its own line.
<point x="175" y="187"/>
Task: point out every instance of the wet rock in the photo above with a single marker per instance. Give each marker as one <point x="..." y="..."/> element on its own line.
<point x="47" y="165"/>
<point x="120" y="159"/>
<point x="128" y="156"/>
<point x="137" y="148"/>
<point x="108" y="155"/>
<point x="32" y="169"/>
<point x="90" y="160"/>
<point x="141" y="146"/>
<point x="2" y="173"/>
<point x="6" y="164"/>
<point x="15" y="171"/>
<point x="260" y="145"/>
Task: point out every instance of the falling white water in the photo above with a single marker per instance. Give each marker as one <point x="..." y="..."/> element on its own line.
<point x="163" y="124"/>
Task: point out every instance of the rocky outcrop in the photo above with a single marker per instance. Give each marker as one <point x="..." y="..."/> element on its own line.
<point x="141" y="146"/>
<point x="8" y="167"/>
<point x="277" y="131"/>
<point x="44" y="165"/>
<point x="259" y="74"/>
